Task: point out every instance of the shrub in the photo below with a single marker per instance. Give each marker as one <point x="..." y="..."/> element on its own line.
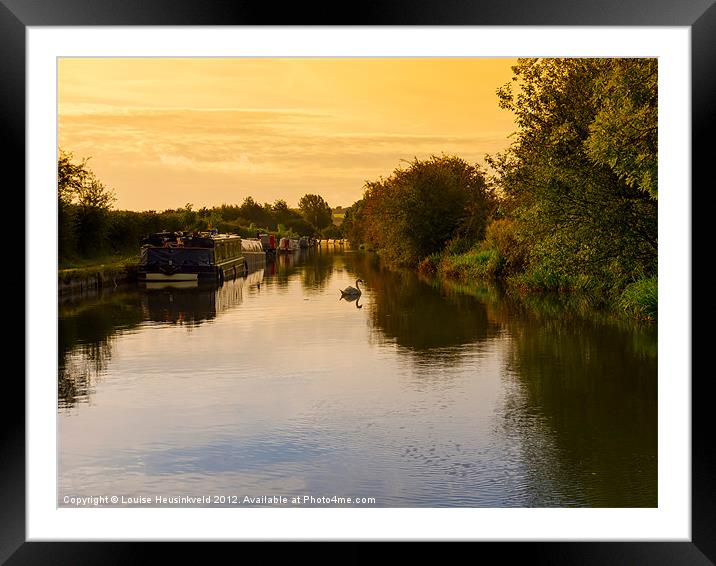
<point x="458" y="245"/>
<point x="541" y="278"/>
<point x="475" y="264"/>
<point x="430" y="264"/>
<point x="504" y="237"/>
<point x="419" y="209"/>
<point x="640" y="299"/>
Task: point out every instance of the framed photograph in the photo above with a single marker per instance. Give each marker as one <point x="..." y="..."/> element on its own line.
<point x="399" y="409"/>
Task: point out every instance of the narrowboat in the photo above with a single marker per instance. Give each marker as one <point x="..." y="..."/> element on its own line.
<point x="288" y="245"/>
<point x="254" y="253"/>
<point x="177" y="256"/>
<point x="268" y="241"/>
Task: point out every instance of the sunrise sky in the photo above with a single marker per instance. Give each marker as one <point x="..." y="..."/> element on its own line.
<point x="165" y="132"/>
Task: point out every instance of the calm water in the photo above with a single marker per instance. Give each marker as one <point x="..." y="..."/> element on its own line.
<point x="421" y="394"/>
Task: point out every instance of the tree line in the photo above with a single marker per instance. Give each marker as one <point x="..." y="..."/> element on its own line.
<point x="570" y="205"/>
<point x="89" y="225"/>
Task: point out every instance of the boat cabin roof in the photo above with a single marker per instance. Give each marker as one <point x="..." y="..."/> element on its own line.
<point x="188" y="239"/>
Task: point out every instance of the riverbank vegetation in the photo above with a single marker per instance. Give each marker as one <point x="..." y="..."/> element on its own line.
<point x="570" y="206"/>
<point x="92" y="232"/>
<point x="420" y="209"/>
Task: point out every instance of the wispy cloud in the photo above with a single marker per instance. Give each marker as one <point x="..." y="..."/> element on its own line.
<point x="266" y="141"/>
<point x="215" y="131"/>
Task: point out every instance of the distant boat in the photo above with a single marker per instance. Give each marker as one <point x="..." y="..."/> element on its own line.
<point x="288" y="245"/>
<point x="268" y="241"/>
<point x="254" y="253"/>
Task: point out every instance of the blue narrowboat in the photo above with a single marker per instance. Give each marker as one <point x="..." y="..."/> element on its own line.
<point x="178" y="256"/>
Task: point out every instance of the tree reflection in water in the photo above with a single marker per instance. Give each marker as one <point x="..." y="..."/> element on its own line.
<point x="87" y="327"/>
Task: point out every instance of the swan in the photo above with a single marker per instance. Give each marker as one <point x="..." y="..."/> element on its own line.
<point x="352" y="291"/>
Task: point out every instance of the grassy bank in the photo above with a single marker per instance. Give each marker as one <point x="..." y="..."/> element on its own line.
<point x="641" y="299"/>
<point x="483" y="265"/>
<point x="80" y="275"/>
<point x="107" y="261"/>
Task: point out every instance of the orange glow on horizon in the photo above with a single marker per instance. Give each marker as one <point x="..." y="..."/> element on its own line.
<point x="164" y="132"/>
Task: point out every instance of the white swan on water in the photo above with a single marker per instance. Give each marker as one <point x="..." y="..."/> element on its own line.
<point x="352" y="291"/>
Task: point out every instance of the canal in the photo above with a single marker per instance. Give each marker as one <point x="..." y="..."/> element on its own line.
<point x="420" y="394"/>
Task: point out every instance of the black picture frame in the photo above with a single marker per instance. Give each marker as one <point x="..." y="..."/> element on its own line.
<point x="17" y="15"/>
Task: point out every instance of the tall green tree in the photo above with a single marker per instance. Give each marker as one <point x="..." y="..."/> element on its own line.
<point x="282" y="214"/>
<point x="588" y="208"/>
<point x="353" y="223"/>
<point x="255" y="213"/>
<point x="624" y="133"/>
<point x="316" y="211"/>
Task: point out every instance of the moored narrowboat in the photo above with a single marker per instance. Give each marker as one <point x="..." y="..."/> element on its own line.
<point x="268" y="241"/>
<point x="176" y="256"/>
<point x="254" y="253"/>
<point x="288" y="245"/>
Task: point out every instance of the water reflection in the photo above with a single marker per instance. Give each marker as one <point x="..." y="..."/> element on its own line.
<point x="597" y="396"/>
<point x="352" y="299"/>
<point x="582" y="398"/>
<point x="282" y="266"/>
<point x="88" y="327"/>
<point x="317" y="269"/>
<point x="190" y="302"/>
<point x="432" y="324"/>
<point x="188" y="305"/>
<point x="432" y="395"/>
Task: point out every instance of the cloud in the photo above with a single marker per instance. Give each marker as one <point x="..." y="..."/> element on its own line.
<point x="256" y="148"/>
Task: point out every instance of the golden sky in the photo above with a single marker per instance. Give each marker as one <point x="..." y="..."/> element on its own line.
<point x="165" y="132"/>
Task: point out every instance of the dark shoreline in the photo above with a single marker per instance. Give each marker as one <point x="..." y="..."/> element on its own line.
<point x="94" y="278"/>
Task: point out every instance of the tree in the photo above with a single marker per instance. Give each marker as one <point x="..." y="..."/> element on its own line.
<point x="353" y="223"/>
<point x="587" y="208"/>
<point x="92" y="193"/>
<point x="188" y="216"/>
<point x="300" y="226"/>
<point x="332" y="232"/>
<point x="229" y="212"/>
<point x="418" y="209"/>
<point x="282" y="214"/>
<point x="624" y="132"/>
<point x="254" y="212"/>
<point x="70" y="176"/>
<point x="280" y="208"/>
<point x="83" y="206"/>
<point x="316" y="211"/>
<point x="94" y="201"/>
